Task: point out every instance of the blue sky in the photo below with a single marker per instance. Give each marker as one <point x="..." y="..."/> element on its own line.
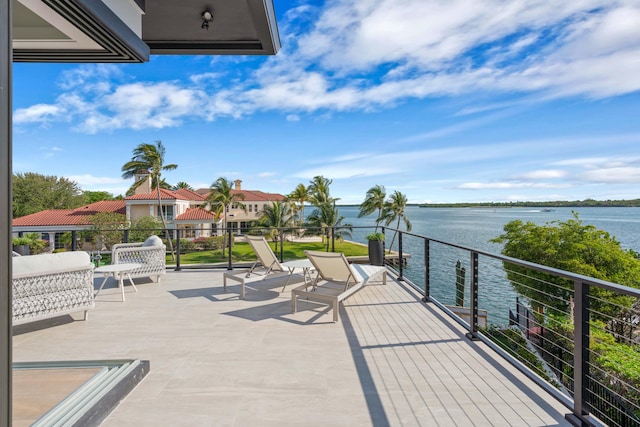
<point x="457" y="101"/>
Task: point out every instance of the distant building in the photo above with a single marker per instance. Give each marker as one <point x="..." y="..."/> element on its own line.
<point x="254" y="201"/>
<point x="184" y="209"/>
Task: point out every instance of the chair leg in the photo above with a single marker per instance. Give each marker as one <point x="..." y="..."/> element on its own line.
<point x="336" y="309"/>
<point x="294" y="304"/>
<point x="251" y="269"/>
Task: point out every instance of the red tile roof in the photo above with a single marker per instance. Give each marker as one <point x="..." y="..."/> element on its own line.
<point x="190" y="195"/>
<point x="164" y="195"/>
<point x="195" y="214"/>
<point x="259" y="196"/>
<point x="181" y="194"/>
<point x="250" y="195"/>
<point x="78" y="216"/>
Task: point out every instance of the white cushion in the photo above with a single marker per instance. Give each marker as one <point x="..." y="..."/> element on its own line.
<point x="153" y="241"/>
<point x="50" y="262"/>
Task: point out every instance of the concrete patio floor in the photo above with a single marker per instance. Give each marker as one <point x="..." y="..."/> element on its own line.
<point x="217" y="360"/>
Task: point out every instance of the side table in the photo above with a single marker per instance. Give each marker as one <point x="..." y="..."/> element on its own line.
<point x="117" y="271"/>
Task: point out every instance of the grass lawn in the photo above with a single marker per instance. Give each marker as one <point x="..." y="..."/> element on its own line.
<point x="242" y="252"/>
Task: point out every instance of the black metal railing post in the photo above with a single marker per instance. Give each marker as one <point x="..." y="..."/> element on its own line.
<point x="74" y="241"/>
<point x="473" y="293"/>
<point x="125" y="237"/>
<point x="384" y="248"/>
<point x="281" y="245"/>
<point x="230" y="259"/>
<point x="178" y="250"/>
<point x="400" y="259"/>
<point x="426" y="271"/>
<point x="333" y="239"/>
<point x="580" y="354"/>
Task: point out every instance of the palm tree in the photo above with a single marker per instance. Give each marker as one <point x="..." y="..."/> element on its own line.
<point x="373" y="200"/>
<point x="182" y="184"/>
<point x="150" y="158"/>
<point x="276" y="216"/>
<point x="300" y="195"/>
<point x="393" y="210"/>
<point x="221" y="198"/>
<point x="319" y="190"/>
<point x="326" y="218"/>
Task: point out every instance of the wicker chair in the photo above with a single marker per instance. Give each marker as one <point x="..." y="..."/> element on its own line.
<point x="51" y="285"/>
<point x="151" y="254"/>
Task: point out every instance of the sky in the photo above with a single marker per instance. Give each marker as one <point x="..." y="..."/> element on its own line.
<point x="444" y="101"/>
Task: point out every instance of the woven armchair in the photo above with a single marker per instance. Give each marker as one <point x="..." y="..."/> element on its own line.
<point x="151" y="254"/>
<point x="51" y="285"/>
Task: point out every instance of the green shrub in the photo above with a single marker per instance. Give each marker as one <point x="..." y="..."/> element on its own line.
<point x="208" y="243"/>
<point x="185" y="245"/>
<point x="377" y="237"/>
<point x="19" y="241"/>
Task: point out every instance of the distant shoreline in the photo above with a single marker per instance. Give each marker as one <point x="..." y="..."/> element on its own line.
<point x="588" y="203"/>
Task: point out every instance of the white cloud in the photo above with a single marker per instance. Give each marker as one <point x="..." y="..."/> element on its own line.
<point x="613" y="175"/>
<point x="90" y="76"/>
<point x="38" y="113"/>
<point x="543" y="174"/>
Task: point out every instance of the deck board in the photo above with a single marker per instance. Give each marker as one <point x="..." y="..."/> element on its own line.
<point x="218" y="360"/>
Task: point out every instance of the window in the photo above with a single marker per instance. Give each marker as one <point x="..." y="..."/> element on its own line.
<point x="168" y="212"/>
<point x="256" y="207"/>
<point x="188" y="232"/>
<point x="250" y="206"/>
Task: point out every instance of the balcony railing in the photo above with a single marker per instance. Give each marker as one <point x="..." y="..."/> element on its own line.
<point x="576" y="336"/>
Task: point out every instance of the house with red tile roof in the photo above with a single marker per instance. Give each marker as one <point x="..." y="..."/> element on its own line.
<point x="254" y="201"/>
<point x="184" y="209"/>
<point x="52" y="223"/>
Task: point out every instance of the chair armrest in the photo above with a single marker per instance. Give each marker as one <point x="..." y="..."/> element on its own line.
<point x="135" y="253"/>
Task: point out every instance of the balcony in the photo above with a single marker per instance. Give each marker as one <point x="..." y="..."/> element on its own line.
<point x="219" y="360"/>
<point x="399" y="355"/>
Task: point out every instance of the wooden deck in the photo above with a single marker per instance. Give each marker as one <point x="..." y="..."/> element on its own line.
<point x="217" y="360"/>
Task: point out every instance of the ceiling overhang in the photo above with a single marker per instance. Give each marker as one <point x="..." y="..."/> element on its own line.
<point x="239" y="27"/>
<point x="78" y="31"/>
<point x="131" y="30"/>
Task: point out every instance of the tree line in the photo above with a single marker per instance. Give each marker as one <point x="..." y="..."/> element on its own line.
<point x="550" y="204"/>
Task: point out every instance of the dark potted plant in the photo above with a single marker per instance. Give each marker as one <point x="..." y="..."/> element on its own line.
<point x="376" y="248"/>
<point x="21" y="245"/>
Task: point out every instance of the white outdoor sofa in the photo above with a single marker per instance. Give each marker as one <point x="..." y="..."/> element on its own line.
<point x="151" y="254"/>
<point x="51" y="285"/>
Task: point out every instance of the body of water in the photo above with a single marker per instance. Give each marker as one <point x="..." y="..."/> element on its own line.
<point x="474" y="228"/>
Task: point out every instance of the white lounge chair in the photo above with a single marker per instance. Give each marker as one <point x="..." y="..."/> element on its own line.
<point x="268" y="261"/>
<point x="266" y="258"/>
<point x="336" y="280"/>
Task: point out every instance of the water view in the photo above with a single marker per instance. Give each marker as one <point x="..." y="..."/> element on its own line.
<point x="474" y="228"/>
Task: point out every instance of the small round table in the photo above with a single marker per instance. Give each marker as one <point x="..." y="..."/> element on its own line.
<point x="117" y="271"/>
<point x="304" y="264"/>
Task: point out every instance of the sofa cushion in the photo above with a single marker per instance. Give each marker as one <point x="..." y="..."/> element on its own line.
<point x="153" y="241"/>
<point x="31" y="264"/>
